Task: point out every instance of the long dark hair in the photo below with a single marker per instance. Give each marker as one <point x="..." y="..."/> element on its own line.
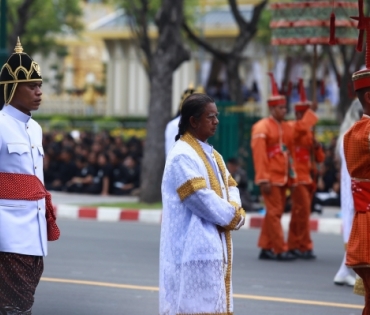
<point x="194" y="105"/>
<point x="2" y="97"/>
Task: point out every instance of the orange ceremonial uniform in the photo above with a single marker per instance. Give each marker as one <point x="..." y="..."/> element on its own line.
<point x="305" y="154"/>
<point x="357" y="154"/>
<point x="271" y="144"/>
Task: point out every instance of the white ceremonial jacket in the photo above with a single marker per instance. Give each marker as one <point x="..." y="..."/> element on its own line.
<point x="346" y="198"/>
<point x="172" y="129"/>
<point x="22" y="222"/>
<point x="200" y="208"/>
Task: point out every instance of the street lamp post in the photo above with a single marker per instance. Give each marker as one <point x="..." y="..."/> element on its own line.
<point x="3" y="50"/>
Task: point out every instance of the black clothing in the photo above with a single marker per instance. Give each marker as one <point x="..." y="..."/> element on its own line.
<point x="96" y="186"/>
<point x="124" y="176"/>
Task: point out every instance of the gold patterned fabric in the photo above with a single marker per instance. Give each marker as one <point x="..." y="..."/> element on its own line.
<point x="359" y="288"/>
<point x="215" y="185"/>
<point x="190" y="187"/>
<point x="232" y="182"/>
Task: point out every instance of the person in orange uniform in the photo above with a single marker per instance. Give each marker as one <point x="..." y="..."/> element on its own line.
<point x="307" y="151"/>
<point x="357" y="155"/>
<point x="272" y="145"/>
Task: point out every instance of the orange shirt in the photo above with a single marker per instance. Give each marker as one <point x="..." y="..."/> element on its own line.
<point x="304" y="150"/>
<point x="272" y="147"/>
<point x="357" y="149"/>
<point x="357" y="154"/>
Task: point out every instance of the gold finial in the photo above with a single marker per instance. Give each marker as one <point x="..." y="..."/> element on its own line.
<point x="200" y="89"/>
<point x="18" y="47"/>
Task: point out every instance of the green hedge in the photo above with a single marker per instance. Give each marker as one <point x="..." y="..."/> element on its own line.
<point x="88" y="118"/>
<point x="66" y="122"/>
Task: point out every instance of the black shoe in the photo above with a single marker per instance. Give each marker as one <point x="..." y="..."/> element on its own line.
<point x="285" y="256"/>
<point x="296" y="252"/>
<point x="267" y="254"/>
<point x="308" y="255"/>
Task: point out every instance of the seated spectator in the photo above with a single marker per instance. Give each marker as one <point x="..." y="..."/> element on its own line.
<point x="240" y="176"/>
<point x="84" y="177"/>
<point x="92" y="160"/>
<point x="49" y="172"/>
<point x="328" y="187"/>
<point x="116" y="171"/>
<point x="65" y="170"/>
<point x="100" y="182"/>
<point x="135" y="148"/>
<point x="128" y="180"/>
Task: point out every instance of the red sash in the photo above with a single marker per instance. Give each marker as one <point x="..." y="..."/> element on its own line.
<point x="274" y="150"/>
<point x="29" y="187"/>
<point x="361" y="195"/>
<point x="302" y="154"/>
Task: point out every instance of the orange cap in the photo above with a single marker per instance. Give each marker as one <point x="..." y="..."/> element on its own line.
<point x="275" y="99"/>
<point x="303" y="103"/>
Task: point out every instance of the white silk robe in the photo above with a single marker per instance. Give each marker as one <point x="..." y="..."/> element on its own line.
<point x="200" y="208"/>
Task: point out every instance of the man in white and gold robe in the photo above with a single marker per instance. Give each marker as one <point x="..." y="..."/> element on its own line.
<point x="201" y="205"/>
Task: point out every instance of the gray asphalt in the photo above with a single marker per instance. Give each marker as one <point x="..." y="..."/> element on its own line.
<point x="120" y="253"/>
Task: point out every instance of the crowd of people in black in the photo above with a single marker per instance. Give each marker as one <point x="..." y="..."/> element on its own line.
<point x="92" y="163"/>
<point x="97" y="163"/>
<point x="328" y="178"/>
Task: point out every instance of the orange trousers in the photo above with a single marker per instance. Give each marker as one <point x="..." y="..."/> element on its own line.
<point x="299" y="228"/>
<point x="272" y="236"/>
<point x="364" y="273"/>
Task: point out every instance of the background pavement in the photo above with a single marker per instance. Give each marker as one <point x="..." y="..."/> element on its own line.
<point x="78" y="206"/>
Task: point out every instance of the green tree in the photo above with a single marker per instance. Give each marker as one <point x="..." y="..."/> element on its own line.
<point x="161" y="58"/>
<point x="37" y="22"/>
<point x="232" y="58"/>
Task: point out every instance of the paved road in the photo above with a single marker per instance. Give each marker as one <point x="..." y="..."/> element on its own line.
<point x="112" y="268"/>
<point x="63" y="198"/>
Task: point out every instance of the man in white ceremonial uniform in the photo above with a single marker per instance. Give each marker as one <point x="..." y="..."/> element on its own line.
<point x="354" y="114"/>
<point x="201" y="206"/>
<point x="170" y="133"/>
<point x="23" y="226"/>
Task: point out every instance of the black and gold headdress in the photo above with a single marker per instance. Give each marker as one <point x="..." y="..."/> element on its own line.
<point x="190" y="90"/>
<point x="20" y="67"/>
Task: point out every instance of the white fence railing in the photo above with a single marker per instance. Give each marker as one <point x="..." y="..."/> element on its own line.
<point x="72" y="105"/>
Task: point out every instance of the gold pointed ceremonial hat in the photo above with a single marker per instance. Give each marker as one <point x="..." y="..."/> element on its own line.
<point x="20" y="67"/>
<point x="190" y="90"/>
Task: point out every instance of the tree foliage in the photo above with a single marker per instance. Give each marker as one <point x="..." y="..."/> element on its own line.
<point x="233" y="56"/>
<point x="143" y="15"/>
<point x="39" y="22"/>
<point x="161" y="60"/>
<point x="264" y="30"/>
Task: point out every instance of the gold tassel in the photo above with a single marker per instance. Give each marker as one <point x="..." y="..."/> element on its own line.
<point x="359" y="288"/>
